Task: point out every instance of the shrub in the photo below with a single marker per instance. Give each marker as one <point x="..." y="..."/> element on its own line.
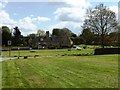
<point x="25" y="57"/>
<point x="101" y="51"/>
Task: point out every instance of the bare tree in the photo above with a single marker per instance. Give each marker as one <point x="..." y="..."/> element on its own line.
<point x="101" y="20"/>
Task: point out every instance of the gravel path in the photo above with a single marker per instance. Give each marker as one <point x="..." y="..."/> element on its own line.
<point x="3" y="59"/>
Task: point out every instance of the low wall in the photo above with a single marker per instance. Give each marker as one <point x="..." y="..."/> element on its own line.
<point x="101" y="51"/>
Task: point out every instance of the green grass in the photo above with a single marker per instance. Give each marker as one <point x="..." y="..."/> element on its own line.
<point x="61" y="71"/>
<point x="46" y="52"/>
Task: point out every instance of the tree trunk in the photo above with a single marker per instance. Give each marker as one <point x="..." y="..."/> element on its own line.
<point x="102" y="40"/>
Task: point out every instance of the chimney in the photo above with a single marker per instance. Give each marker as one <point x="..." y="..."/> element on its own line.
<point x="47" y="33"/>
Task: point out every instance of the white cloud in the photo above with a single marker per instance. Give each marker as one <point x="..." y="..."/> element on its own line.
<point x="78" y="3"/>
<point x="41" y="19"/>
<point x="114" y="9"/>
<point x="67" y="24"/>
<point x="24" y="24"/>
<point x="27" y="24"/>
<point x="5" y="18"/>
<point x="72" y="15"/>
<point x="3" y="4"/>
<point x="74" y="12"/>
<point x="75" y="27"/>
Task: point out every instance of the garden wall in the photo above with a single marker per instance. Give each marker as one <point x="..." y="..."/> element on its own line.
<point x="101" y="51"/>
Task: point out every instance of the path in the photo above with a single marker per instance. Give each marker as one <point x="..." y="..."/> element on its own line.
<point x="3" y="59"/>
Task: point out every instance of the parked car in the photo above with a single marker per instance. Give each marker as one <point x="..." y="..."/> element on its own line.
<point x="77" y="47"/>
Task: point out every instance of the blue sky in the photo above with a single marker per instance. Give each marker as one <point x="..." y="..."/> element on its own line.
<point x="31" y="16"/>
<point x="19" y="10"/>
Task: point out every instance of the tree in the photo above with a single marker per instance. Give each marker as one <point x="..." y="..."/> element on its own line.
<point x="101" y="21"/>
<point x="114" y="38"/>
<point x="73" y="35"/>
<point x="118" y="35"/>
<point x="62" y="32"/>
<point x="17" y="32"/>
<point x="96" y="40"/>
<point x="31" y="39"/>
<point x="56" y="32"/>
<point x="6" y="35"/>
<point x="41" y="33"/>
<point x="17" y="36"/>
<point x="66" y="31"/>
<point x="32" y="36"/>
<point x="77" y="40"/>
<point x="87" y="36"/>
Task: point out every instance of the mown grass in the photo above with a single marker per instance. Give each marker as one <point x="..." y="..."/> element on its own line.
<point x="61" y="71"/>
<point x="46" y="52"/>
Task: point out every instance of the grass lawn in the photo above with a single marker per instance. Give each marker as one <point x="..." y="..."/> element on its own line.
<point x="47" y="52"/>
<point x="61" y="71"/>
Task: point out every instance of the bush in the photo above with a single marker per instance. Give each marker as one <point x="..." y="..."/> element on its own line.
<point x="101" y="51"/>
<point x="84" y="47"/>
<point x="36" y="56"/>
<point x="69" y="49"/>
<point x="25" y="57"/>
<point x="32" y="51"/>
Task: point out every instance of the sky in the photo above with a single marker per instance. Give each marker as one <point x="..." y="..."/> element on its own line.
<point x="32" y="15"/>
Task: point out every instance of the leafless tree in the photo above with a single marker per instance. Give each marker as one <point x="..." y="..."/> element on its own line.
<point x="101" y="20"/>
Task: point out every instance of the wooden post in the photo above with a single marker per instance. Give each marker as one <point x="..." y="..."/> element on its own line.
<point x="9" y="44"/>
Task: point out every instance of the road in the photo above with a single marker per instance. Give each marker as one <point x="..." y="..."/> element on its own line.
<point x="3" y="59"/>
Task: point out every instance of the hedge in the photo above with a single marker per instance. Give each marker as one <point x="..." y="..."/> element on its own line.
<point x="101" y="51"/>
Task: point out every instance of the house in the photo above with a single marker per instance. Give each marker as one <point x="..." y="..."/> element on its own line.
<point x="53" y="41"/>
